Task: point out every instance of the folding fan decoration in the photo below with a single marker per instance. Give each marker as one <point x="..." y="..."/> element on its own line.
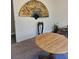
<point x="34" y="8"/>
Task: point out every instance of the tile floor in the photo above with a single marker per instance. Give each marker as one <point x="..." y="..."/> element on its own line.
<point x="29" y="50"/>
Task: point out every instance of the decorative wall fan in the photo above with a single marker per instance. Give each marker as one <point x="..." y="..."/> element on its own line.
<point x="34" y="8"/>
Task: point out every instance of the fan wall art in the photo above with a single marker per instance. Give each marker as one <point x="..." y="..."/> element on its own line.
<point x="34" y="8"/>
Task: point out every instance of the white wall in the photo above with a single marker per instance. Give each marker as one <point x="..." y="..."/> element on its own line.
<point x="61" y="12"/>
<point x="26" y="27"/>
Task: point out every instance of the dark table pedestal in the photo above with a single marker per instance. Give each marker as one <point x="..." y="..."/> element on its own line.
<point x="50" y="56"/>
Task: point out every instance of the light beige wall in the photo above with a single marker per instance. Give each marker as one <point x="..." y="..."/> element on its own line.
<point x="61" y="12"/>
<point x="26" y="27"/>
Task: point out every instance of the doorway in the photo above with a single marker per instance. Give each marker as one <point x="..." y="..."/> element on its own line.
<point x="13" y="36"/>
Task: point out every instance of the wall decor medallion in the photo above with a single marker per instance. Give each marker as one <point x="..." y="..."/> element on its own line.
<point x="34" y="8"/>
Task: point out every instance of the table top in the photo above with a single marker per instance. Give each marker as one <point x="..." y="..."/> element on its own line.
<point x="52" y="43"/>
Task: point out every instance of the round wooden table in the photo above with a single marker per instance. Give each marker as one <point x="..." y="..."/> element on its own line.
<point x="52" y="43"/>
